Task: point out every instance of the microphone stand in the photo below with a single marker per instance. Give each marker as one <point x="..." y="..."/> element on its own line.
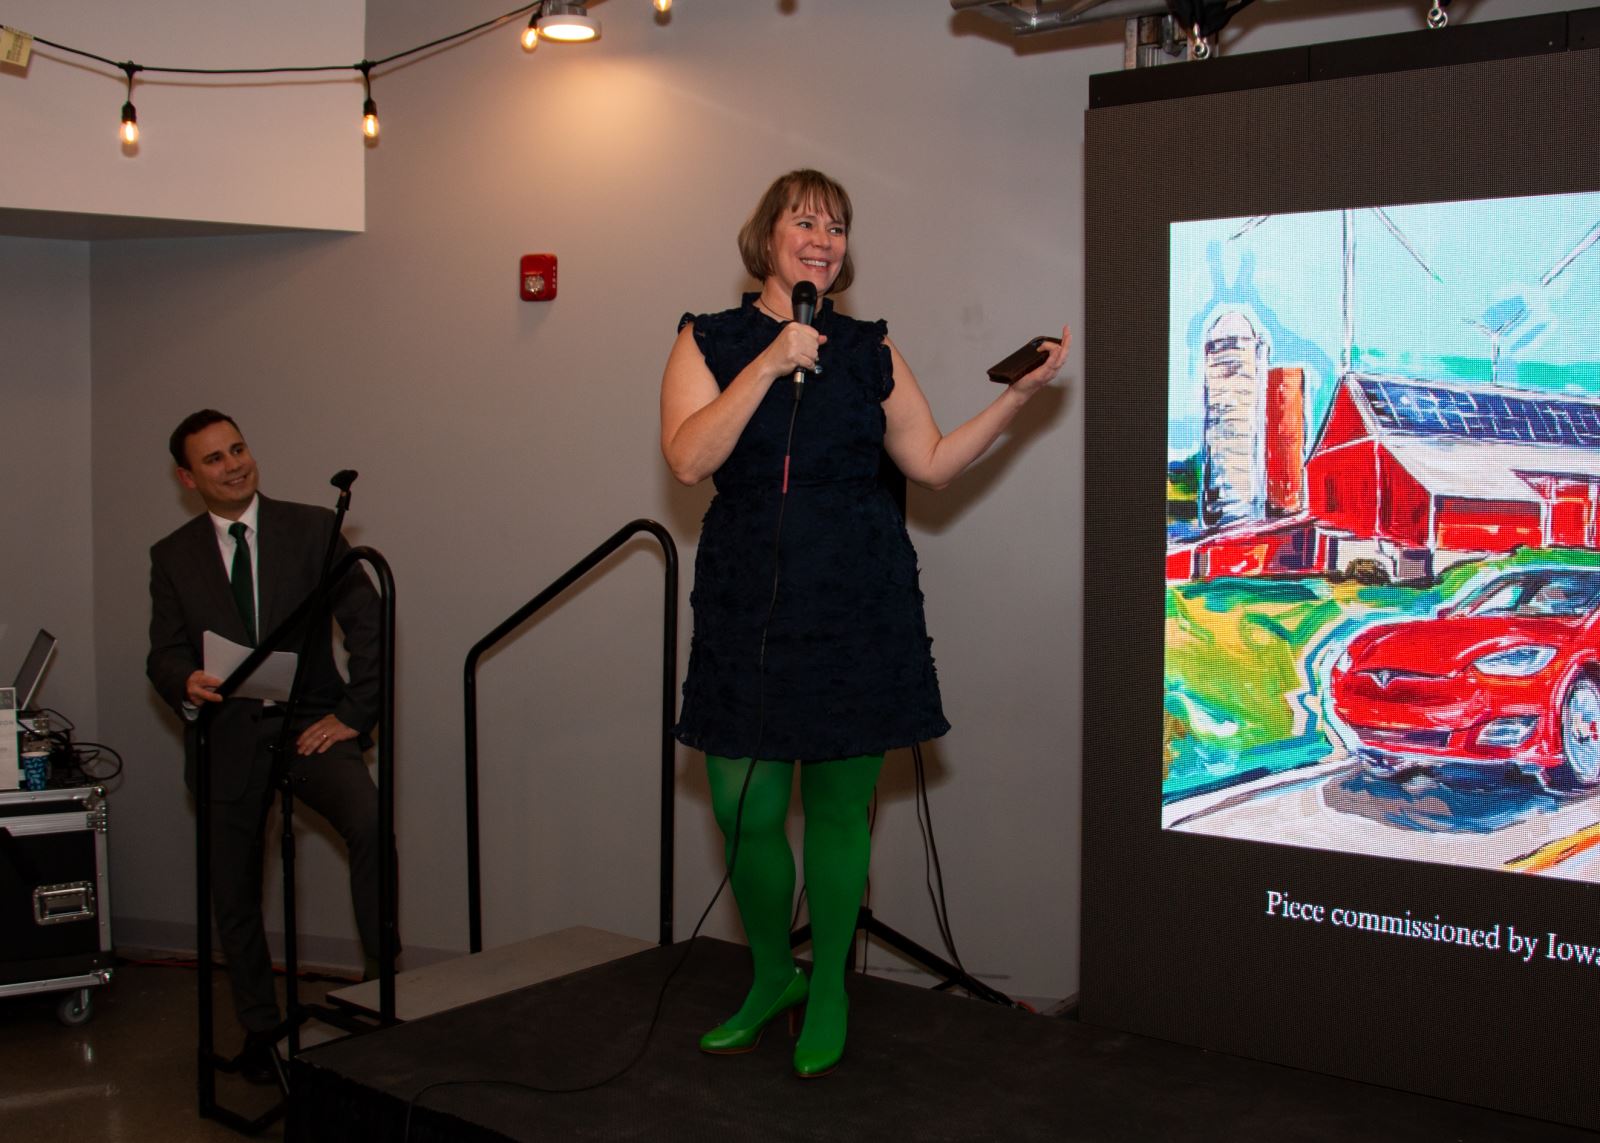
<point x="198" y="738"/>
<point x="316" y="620"/>
<point x="892" y="480"/>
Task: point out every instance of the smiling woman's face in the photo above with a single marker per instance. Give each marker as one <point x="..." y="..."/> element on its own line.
<point x="808" y="245"/>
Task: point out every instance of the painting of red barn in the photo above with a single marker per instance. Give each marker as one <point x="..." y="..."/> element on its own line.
<point x="1383" y="532"/>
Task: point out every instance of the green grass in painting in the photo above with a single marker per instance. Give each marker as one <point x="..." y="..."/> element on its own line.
<point x="1246" y="661"/>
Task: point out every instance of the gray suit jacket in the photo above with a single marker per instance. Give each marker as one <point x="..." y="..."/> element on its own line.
<point x="190" y="594"/>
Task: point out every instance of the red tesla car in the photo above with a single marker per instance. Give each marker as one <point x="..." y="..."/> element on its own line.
<point x="1508" y="676"/>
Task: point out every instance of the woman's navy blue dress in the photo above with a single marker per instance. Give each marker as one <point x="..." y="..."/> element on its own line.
<point x="846" y="667"/>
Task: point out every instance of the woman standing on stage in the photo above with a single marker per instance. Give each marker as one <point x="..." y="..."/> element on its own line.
<point x="809" y="643"/>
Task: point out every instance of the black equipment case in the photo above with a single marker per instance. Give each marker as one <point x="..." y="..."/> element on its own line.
<point x="55" y="907"/>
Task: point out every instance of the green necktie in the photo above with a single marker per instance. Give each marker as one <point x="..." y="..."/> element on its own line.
<point x="244" y="588"/>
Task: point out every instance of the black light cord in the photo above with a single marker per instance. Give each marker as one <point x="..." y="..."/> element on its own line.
<point x="364" y="64"/>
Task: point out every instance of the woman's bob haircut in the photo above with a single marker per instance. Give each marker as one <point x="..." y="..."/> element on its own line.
<point x="797" y="190"/>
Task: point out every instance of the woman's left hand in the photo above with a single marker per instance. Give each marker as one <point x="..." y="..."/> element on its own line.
<point x="1030" y="383"/>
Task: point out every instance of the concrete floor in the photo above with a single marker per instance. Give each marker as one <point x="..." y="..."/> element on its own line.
<point x="129" y="1074"/>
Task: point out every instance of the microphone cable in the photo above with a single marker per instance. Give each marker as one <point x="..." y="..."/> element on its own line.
<point x="733" y="852"/>
<point x="932" y="871"/>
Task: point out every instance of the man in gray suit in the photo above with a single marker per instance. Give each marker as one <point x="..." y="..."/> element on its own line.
<point x="238" y="569"/>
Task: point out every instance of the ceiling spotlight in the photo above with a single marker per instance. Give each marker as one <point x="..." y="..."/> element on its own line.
<point x="570" y="23"/>
<point x="663" y="5"/>
<point x="530" y="34"/>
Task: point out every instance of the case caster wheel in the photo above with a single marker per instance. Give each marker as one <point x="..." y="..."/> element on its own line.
<point x="76" y="1008"/>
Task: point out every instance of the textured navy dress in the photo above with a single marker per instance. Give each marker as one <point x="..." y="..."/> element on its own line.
<point x="847" y="667"/>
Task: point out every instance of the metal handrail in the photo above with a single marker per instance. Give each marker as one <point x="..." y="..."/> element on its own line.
<point x="669" y="687"/>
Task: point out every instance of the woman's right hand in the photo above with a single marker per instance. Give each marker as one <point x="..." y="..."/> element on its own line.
<point x="796" y="347"/>
<point x="700" y="425"/>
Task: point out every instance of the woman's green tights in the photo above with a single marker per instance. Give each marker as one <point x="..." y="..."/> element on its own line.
<point x="835" y="796"/>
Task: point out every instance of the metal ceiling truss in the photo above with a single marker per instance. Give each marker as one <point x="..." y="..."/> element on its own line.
<point x="1031" y="17"/>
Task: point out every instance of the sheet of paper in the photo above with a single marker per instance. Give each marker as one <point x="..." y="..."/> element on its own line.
<point x="271" y="680"/>
<point x="10" y="778"/>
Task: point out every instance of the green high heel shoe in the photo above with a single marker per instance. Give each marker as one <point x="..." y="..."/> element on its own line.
<point x="730" y="1038"/>
<point x="821" y="1044"/>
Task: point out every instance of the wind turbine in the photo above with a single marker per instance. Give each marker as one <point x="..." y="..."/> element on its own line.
<point x="1517" y="312"/>
<point x="1507" y="314"/>
<point x="1347" y="220"/>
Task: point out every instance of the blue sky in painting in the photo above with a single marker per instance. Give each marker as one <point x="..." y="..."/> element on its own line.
<point x="1489" y="267"/>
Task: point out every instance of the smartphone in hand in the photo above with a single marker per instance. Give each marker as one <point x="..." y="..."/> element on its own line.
<point x="1024" y="361"/>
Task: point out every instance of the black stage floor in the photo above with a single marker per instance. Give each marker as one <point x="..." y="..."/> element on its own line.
<point x="921" y="1065"/>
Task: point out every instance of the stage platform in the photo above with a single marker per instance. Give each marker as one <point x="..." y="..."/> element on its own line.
<point x="921" y="1065"/>
<point x="434" y="988"/>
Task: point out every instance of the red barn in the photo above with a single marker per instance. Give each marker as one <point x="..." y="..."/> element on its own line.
<point x="1431" y="472"/>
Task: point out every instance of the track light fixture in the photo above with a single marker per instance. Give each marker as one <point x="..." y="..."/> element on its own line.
<point x="568" y="22"/>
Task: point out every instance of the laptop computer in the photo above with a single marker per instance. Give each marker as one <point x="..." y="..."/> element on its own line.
<point x="38" y="658"/>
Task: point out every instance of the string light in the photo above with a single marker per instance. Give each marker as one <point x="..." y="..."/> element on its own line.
<point x="563" y="20"/>
<point x="369" y="109"/>
<point x="130" y="114"/>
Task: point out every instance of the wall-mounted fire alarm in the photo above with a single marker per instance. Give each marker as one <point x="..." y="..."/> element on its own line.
<point x="538" y="277"/>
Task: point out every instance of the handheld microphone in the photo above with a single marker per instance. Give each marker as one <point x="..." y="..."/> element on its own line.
<point x="803" y="304"/>
<point x="343" y="479"/>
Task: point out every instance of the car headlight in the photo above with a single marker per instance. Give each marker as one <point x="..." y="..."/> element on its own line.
<point x="1518" y="662"/>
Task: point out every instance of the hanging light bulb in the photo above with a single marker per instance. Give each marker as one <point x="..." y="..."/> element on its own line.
<point x="369" y="109"/>
<point x="530" y="34"/>
<point x="130" y="124"/>
<point x="663" y="5"/>
<point x="568" y="22"/>
<point x="129" y="130"/>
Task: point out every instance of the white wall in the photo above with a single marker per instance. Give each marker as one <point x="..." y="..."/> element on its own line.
<point x="499" y="440"/>
<point x="45" y="461"/>
<point x="263" y="150"/>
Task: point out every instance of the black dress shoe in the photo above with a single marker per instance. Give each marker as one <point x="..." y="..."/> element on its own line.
<point x="257" y="1062"/>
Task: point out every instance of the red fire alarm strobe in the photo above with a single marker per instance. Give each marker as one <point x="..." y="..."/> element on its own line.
<point x="538" y="277"/>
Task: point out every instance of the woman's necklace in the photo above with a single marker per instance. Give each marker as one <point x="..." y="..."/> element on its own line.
<point x="762" y="303"/>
